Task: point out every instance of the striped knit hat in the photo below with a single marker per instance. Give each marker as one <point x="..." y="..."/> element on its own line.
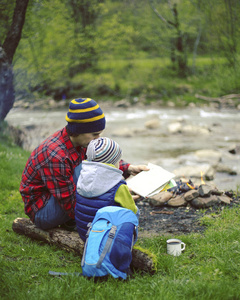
<point x="104" y="150"/>
<point x="85" y="116"/>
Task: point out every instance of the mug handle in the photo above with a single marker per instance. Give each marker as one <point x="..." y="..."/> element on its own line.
<point x="183" y="248"/>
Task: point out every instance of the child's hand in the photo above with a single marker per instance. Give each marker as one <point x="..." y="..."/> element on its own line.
<point x="134" y="196"/>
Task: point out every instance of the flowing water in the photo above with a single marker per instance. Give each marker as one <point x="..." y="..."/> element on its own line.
<point x="127" y="127"/>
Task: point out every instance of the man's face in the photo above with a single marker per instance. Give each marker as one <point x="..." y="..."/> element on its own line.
<point x="84" y="139"/>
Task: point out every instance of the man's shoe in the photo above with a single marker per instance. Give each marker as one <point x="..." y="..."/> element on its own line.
<point x="70" y="225"/>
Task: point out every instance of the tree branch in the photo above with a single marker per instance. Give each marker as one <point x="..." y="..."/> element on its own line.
<point x="14" y="34"/>
<point x="160" y="16"/>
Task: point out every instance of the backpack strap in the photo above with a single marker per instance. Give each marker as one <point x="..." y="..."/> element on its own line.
<point x="63" y="274"/>
<point x="85" y="246"/>
<point x="135" y="236"/>
<point x="107" y="246"/>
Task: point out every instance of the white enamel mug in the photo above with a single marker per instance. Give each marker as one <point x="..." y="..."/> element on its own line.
<point x="175" y="247"/>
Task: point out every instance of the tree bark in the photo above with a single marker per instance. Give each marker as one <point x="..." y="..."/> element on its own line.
<point x="71" y="242"/>
<point x="7" y="95"/>
<point x="14" y="34"/>
<point x="7" y="51"/>
<point x="178" y="51"/>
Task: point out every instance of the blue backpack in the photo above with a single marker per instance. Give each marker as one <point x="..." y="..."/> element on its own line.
<point x="110" y="238"/>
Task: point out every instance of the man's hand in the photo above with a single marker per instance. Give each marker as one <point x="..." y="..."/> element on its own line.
<point x="134" y="170"/>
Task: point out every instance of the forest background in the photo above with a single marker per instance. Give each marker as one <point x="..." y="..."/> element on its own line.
<point x="149" y="50"/>
<point x="132" y="49"/>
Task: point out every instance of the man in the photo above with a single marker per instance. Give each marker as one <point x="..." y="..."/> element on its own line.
<point x="49" y="179"/>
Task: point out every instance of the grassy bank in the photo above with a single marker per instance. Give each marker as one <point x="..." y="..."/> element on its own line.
<point x="148" y="79"/>
<point x="208" y="269"/>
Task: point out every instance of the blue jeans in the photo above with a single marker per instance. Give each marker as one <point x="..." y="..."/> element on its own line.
<point x="52" y="215"/>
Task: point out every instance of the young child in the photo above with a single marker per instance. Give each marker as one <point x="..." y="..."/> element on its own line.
<point x="100" y="183"/>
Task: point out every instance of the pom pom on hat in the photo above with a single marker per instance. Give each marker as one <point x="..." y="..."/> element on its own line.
<point x="104" y="150"/>
<point x="85" y="116"/>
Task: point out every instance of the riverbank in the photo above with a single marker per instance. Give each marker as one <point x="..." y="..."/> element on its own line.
<point x="186" y="140"/>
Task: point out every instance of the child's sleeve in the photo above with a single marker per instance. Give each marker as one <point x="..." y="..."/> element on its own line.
<point x="124" y="198"/>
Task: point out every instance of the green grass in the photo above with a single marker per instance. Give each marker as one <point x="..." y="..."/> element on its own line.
<point x="152" y="79"/>
<point x="148" y="78"/>
<point x="208" y="269"/>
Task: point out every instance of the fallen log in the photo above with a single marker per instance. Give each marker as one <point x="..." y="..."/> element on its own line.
<point x="70" y="241"/>
<point x="210" y="99"/>
<point x="222" y="100"/>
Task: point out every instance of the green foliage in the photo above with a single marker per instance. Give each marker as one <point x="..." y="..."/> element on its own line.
<point x="228" y="81"/>
<point x="122" y="49"/>
<point x="6" y="13"/>
<point x="44" y="46"/>
<point x="154" y="79"/>
<point x="225" y="34"/>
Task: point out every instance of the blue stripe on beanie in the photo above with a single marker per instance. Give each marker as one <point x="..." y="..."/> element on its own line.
<point x="85" y="116"/>
<point x="104" y="150"/>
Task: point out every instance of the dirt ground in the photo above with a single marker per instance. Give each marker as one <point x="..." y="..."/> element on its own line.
<point x="175" y="221"/>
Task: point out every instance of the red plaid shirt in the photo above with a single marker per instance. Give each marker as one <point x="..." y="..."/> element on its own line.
<point x="49" y="171"/>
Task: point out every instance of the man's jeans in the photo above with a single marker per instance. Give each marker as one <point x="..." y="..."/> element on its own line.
<point x="52" y="215"/>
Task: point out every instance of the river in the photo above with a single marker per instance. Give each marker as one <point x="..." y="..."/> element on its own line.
<point x="159" y="145"/>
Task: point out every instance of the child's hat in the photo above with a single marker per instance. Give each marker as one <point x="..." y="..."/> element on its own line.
<point x="85" y="116"/>
<point x="104" y="150"/>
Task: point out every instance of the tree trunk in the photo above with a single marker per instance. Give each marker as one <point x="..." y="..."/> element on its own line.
<point x="71" y="242"/>
<point x="7" y="51"/>
<point x="178" y="51"/>
<point x="14" y="34"/>
<point x="180" y="47"/>
<point x="7" y="94"/>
